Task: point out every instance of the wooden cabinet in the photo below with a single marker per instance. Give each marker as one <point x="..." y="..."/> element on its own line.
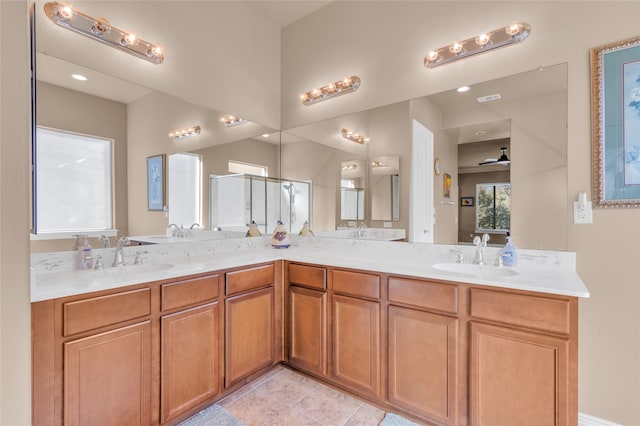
<point x="308" y="329"/>
<point x="424" y="348"/>
<point x="107" y="378"/>
<point x="356" y="332"/>
<point x="249" y="323"/>
<point x="423" y="357"/>
<point x="523" y="359"/>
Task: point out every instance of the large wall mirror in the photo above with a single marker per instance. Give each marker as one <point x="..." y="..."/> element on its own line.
<point x="103" y="102"/>
<point x="526" y="114"/>
<point x="137" y="113"/>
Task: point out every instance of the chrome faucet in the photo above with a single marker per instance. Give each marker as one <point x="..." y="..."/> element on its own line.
<point x="105" y="240"/>
<point x="176" y="231"/>
<point x="361" y="230"/>
<point x="119" y="258"/>
<point x="478" y="258"/>
<point x="195" y="225"/>
<point x="485" y="239"/>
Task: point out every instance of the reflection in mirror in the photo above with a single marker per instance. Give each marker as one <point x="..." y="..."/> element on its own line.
<point x="138" y="120"/>
<point x="352" y="177"/>
<point x="385" y="188"/>
<point x="530" y="118"/>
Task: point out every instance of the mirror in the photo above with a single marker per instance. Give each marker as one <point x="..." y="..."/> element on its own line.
<point x="385" y="188"/>
<point x="138" y="119"/>
<point x="352" y="178"/>
<point x="529" y="118"/>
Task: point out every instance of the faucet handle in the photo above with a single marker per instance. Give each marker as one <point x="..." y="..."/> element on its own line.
<point x="459" y="254"/>
<point x="99" y="264"/>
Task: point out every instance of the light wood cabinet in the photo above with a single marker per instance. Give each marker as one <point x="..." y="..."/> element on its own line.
<point x="249" y="322"/>
<point x="189" y="364"/>
<point x="423" y="357"/>
<point x="356" y="331"/>
<point x="308" y="329"/>
<point x="523" y="359"/>
<point x="107" y="378"/>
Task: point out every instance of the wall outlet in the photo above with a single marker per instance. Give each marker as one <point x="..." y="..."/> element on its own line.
<point x="582" y="212"/>
<point x="387" y="224"/>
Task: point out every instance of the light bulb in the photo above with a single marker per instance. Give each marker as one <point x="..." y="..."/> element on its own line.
<point x="155" y="51"/>
<point x="432" y="55"/>
<point x="316" y="92"/>
<point x="482" y="39"/>
<point x="347" y="81"/>
<point x="66" y="12"/>
<point x="304" y="97"/>
<point x="128" y="40"/>
<point x="331" y="87"/>
<point x="455" y="47"/>
<point x="513" y="29"/>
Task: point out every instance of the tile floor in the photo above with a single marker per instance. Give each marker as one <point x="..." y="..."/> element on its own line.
<point x="285" y="397"/>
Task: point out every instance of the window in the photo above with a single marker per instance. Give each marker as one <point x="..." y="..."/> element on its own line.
<point x="493" y="207"/>
<point x="248" y="169"/>
<point x="73" y="182"/>
<point x="184" y="188"/>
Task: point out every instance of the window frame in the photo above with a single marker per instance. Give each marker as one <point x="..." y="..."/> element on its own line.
<point x="37" y="233"/>
<point x="478" y="205"/>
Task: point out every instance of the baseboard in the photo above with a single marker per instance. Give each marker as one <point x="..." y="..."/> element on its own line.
<point x="587" y="420"/>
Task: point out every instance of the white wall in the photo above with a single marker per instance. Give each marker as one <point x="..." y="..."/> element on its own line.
<point x="15" y="312"/>
<point x="384" y="43"/>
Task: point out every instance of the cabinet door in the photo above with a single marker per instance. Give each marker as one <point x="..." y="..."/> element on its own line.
<point x="517" y="377"/>
<point x="107" y="378"/>
<point x="249" y="334"/>
<point x="308" y="329"/>
<point x="423" y="358"/>
<point x="190" y="368"/>
<point x="356" y="343"/>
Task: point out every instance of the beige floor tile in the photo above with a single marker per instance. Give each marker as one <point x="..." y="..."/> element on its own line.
<point x="288" y="386"/>
<point x="366" y="415"/>
<point x="328" y="406"/>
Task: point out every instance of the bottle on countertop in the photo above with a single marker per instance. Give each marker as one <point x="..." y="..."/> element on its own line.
<point x="84" y="252"/>
<point x="509" y="253"/>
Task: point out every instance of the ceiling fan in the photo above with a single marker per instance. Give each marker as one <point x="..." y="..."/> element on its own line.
<point x="503" y="160"/>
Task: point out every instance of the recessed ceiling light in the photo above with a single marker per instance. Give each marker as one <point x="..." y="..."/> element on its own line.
<point x="265" y="135"/>
<point x="489" y="98"/>
<point x="463" y="89"/>
<point x="481" y="133"/>
<point x="79" y="77"/>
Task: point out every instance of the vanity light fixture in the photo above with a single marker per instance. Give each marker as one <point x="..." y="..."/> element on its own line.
<point x="354" y="137"/>
<point x="331" y="90"/>
<point x="349" y="167"/>
<point x="377" y="164"/>
<point x="99" y="29"/>
<point x="185" y="133"/>
<point x="505" y="36"/>
<point x="232" y="120"/>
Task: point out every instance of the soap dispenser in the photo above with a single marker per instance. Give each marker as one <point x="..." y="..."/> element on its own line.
<point x="84" y="258"/>
<point x="280" y="239"/>
<point x="306" y="230"/>
<point x="253" y="230"/>
<point x="509" y="253"/>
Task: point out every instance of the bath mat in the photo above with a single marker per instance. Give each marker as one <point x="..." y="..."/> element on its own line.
<point x="215" y="415"/>
<point x="391" y="419"/>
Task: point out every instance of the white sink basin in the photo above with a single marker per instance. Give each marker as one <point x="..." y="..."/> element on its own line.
<point x="485" y="271"/>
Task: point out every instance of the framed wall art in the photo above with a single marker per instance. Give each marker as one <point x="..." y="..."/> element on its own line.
<point x="466" y="201"/>
<point x="446" y="185"/>
<point x="615" y="114"/>
<point x="156" y="182"/>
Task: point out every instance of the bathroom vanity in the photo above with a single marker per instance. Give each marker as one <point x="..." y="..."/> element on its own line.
<point x="155" y="345"/>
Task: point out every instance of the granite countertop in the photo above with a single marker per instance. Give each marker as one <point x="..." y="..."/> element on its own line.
<point x="551" y="272"/>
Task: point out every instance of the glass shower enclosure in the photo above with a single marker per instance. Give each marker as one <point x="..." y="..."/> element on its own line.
<point x="236" y="200"/>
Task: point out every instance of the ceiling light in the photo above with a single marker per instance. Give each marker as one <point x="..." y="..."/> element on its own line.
<point x="463" y="89"/>
<point x="481" y="133"/>
<point x="503" y="160"/>
<point x="505" y="36"/>
<point x="99" y="29"/>
<point x="331" y="90"/>
<point x="265" y="135"/>
<point x="79" y="77"/>
<point x="354" y="137"/>
<point x="489" y="98"/>
<point x="232" y="120"/>
<point x="185" y="133"/>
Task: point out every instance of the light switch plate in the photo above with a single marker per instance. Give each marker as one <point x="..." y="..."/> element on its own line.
<point x="582" y="214"/>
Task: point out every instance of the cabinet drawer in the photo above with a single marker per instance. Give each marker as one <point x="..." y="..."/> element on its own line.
<point x="185" y="293"/>
<point x="356" y="284"/>
<point x="309" y="276"/>
<point x="522" y="310"/>
<point x="249" y="279"/>
<point x="90" y="314"/>
<point x="424" y="294"/>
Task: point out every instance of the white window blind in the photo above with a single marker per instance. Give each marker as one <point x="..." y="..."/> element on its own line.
<point x="74" y="191"/>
